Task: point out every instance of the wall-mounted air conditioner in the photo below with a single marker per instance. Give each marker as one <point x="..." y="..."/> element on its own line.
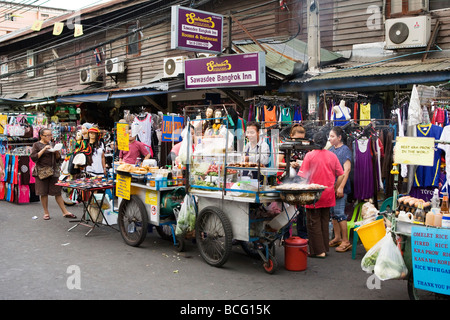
<point x="88" y="75"/>
<point x="114" y="66"/>
<point x="206" y="55"/>
<point x="409" y="32"/>
<point x="174" y="66"/>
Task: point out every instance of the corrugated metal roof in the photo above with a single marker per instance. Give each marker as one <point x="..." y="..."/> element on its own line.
<point x="281" y="55"/>
<point x="347" y="70"/>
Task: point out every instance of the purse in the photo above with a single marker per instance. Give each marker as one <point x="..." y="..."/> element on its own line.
<point x="44" y="172"/>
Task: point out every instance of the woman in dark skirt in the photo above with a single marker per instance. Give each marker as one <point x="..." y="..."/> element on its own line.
<point x="45" y="187"/>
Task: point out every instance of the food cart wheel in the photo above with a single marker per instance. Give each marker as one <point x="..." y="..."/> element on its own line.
<point x="271" y="265"/>
<point x="214" y="236"/>
<point x="133" y="221"/>
<point x="180" y="244"/>
<point x="164" y="231"/>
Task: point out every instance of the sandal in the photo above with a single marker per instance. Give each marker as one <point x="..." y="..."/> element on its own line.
<point x="317" y="256"/>
<point x="46" y="217"/>
<point x="333" y="243"/>
<point x="69" y="215"/>
<point x="344" y="248"/>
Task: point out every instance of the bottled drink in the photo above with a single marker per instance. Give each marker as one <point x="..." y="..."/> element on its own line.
<point x="435" y="200"/>
<point x="429" y="220"/>
<point x="169" y="177"/>
<point x="444" y="205"/>
<point x="419" y="215"/>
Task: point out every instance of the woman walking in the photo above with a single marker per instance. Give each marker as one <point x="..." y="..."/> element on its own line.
<point x="44" y="158"/>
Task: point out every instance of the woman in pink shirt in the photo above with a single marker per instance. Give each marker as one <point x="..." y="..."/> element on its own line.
<point x="321" y="167"/>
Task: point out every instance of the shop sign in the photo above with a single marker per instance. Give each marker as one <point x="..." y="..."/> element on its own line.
<point x="237" y="70"/>
<point x="416" y="151"/>
<point x="196" y="30"/>
<point x="123" y="187"/>
<point x="431" y="259"/>
<point x="122" y="137"/>
<point x="171" y="128"/>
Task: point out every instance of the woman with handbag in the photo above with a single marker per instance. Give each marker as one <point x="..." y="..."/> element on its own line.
<point x="46" y="173"/>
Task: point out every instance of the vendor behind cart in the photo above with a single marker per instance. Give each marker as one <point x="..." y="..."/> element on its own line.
<point x="297" y="132"/>
<point x="136" y="150"/>
<point x="256" y="150"/>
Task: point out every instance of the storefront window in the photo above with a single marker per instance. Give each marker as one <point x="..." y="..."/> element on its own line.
<point x="133" y="40"/>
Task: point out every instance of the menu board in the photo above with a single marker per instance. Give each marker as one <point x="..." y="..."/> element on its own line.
<point x="431" y="258"/>
<point x="123" y="187"/>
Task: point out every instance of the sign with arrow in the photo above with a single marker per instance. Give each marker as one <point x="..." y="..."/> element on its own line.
<point x="196" y="30"/>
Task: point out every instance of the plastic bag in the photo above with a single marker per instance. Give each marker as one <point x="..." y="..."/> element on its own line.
<point x="390" y="264"/>
<point x="186" y="217"/>
<point x="370" y="258"/>
<point x="385" y="260"/>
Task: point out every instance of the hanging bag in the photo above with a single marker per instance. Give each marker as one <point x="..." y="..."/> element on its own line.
<point x="28" y="128"/>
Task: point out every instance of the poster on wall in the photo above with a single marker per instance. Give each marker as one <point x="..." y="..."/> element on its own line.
<point x="196" y="30"/>
<point x="237" y="70"/>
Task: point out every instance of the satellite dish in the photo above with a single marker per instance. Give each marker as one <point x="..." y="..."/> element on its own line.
<point x="170" y="66"/>
<point x="399" y="32"/>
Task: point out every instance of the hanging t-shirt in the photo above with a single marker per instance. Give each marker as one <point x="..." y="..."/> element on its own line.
<point x="144" y="130"/>
<point x="427" y="176"/>
<point x="445" y="136"/>
<point x="298" y="114"/>
<point x="364" y="113"/>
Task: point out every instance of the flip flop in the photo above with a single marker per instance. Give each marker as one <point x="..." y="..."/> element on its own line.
<point x="316" y="256"/>
<point x="334" y="243"/>
<point x="343" y="248"/>
<point x="46" y="217"/>
<point x="69" y="215"/>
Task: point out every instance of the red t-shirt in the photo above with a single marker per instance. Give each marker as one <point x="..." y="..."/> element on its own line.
<point x="322" y="167"/>
<point x="137" y="150"/>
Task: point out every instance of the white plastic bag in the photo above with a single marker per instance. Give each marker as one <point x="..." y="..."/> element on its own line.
<point x="186" y="217"/>
<point x="370" y="258"/>
<point x="390" y="264"/>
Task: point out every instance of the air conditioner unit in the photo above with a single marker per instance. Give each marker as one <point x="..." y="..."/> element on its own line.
<point x="88" y="75"/>
<point x="206" y="55"/>
<point x="409" y="32"/>
<point x="174" y="66"/>
<point x="114" y="66"/>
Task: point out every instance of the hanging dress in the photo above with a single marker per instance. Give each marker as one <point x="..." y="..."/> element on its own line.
<point x="363" y="171"/>
<point x="298" y="114"/>
<point x="286" y="115"/>
<point x="427" y="176"/>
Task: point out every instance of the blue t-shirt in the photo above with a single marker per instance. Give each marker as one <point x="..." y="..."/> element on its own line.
<point x="343" y="153"/>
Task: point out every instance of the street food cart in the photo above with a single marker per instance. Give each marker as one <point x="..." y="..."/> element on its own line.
<point x="145" y="205"/>
<point x="237" y="201"/>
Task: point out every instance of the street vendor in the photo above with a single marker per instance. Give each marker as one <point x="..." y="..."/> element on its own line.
<point x="256" y="145"/>
<point x="136" y="150"/>
<point x="297" y="132"/>
<point x="321" y="167"/>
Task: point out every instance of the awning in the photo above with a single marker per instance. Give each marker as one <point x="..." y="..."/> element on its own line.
<point x="347" y="76"/>
<point x="87" y="97"/>
<point x="282" y="56"/>
<point x="155" y="88"/>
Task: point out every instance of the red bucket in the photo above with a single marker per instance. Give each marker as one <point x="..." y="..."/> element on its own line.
<point x="295" y="254"/>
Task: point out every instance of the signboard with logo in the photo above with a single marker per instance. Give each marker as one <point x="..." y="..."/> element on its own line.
<point x="196" y="30"/>
<point x="237" y="70"/>
<point x="171" y="128"/>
